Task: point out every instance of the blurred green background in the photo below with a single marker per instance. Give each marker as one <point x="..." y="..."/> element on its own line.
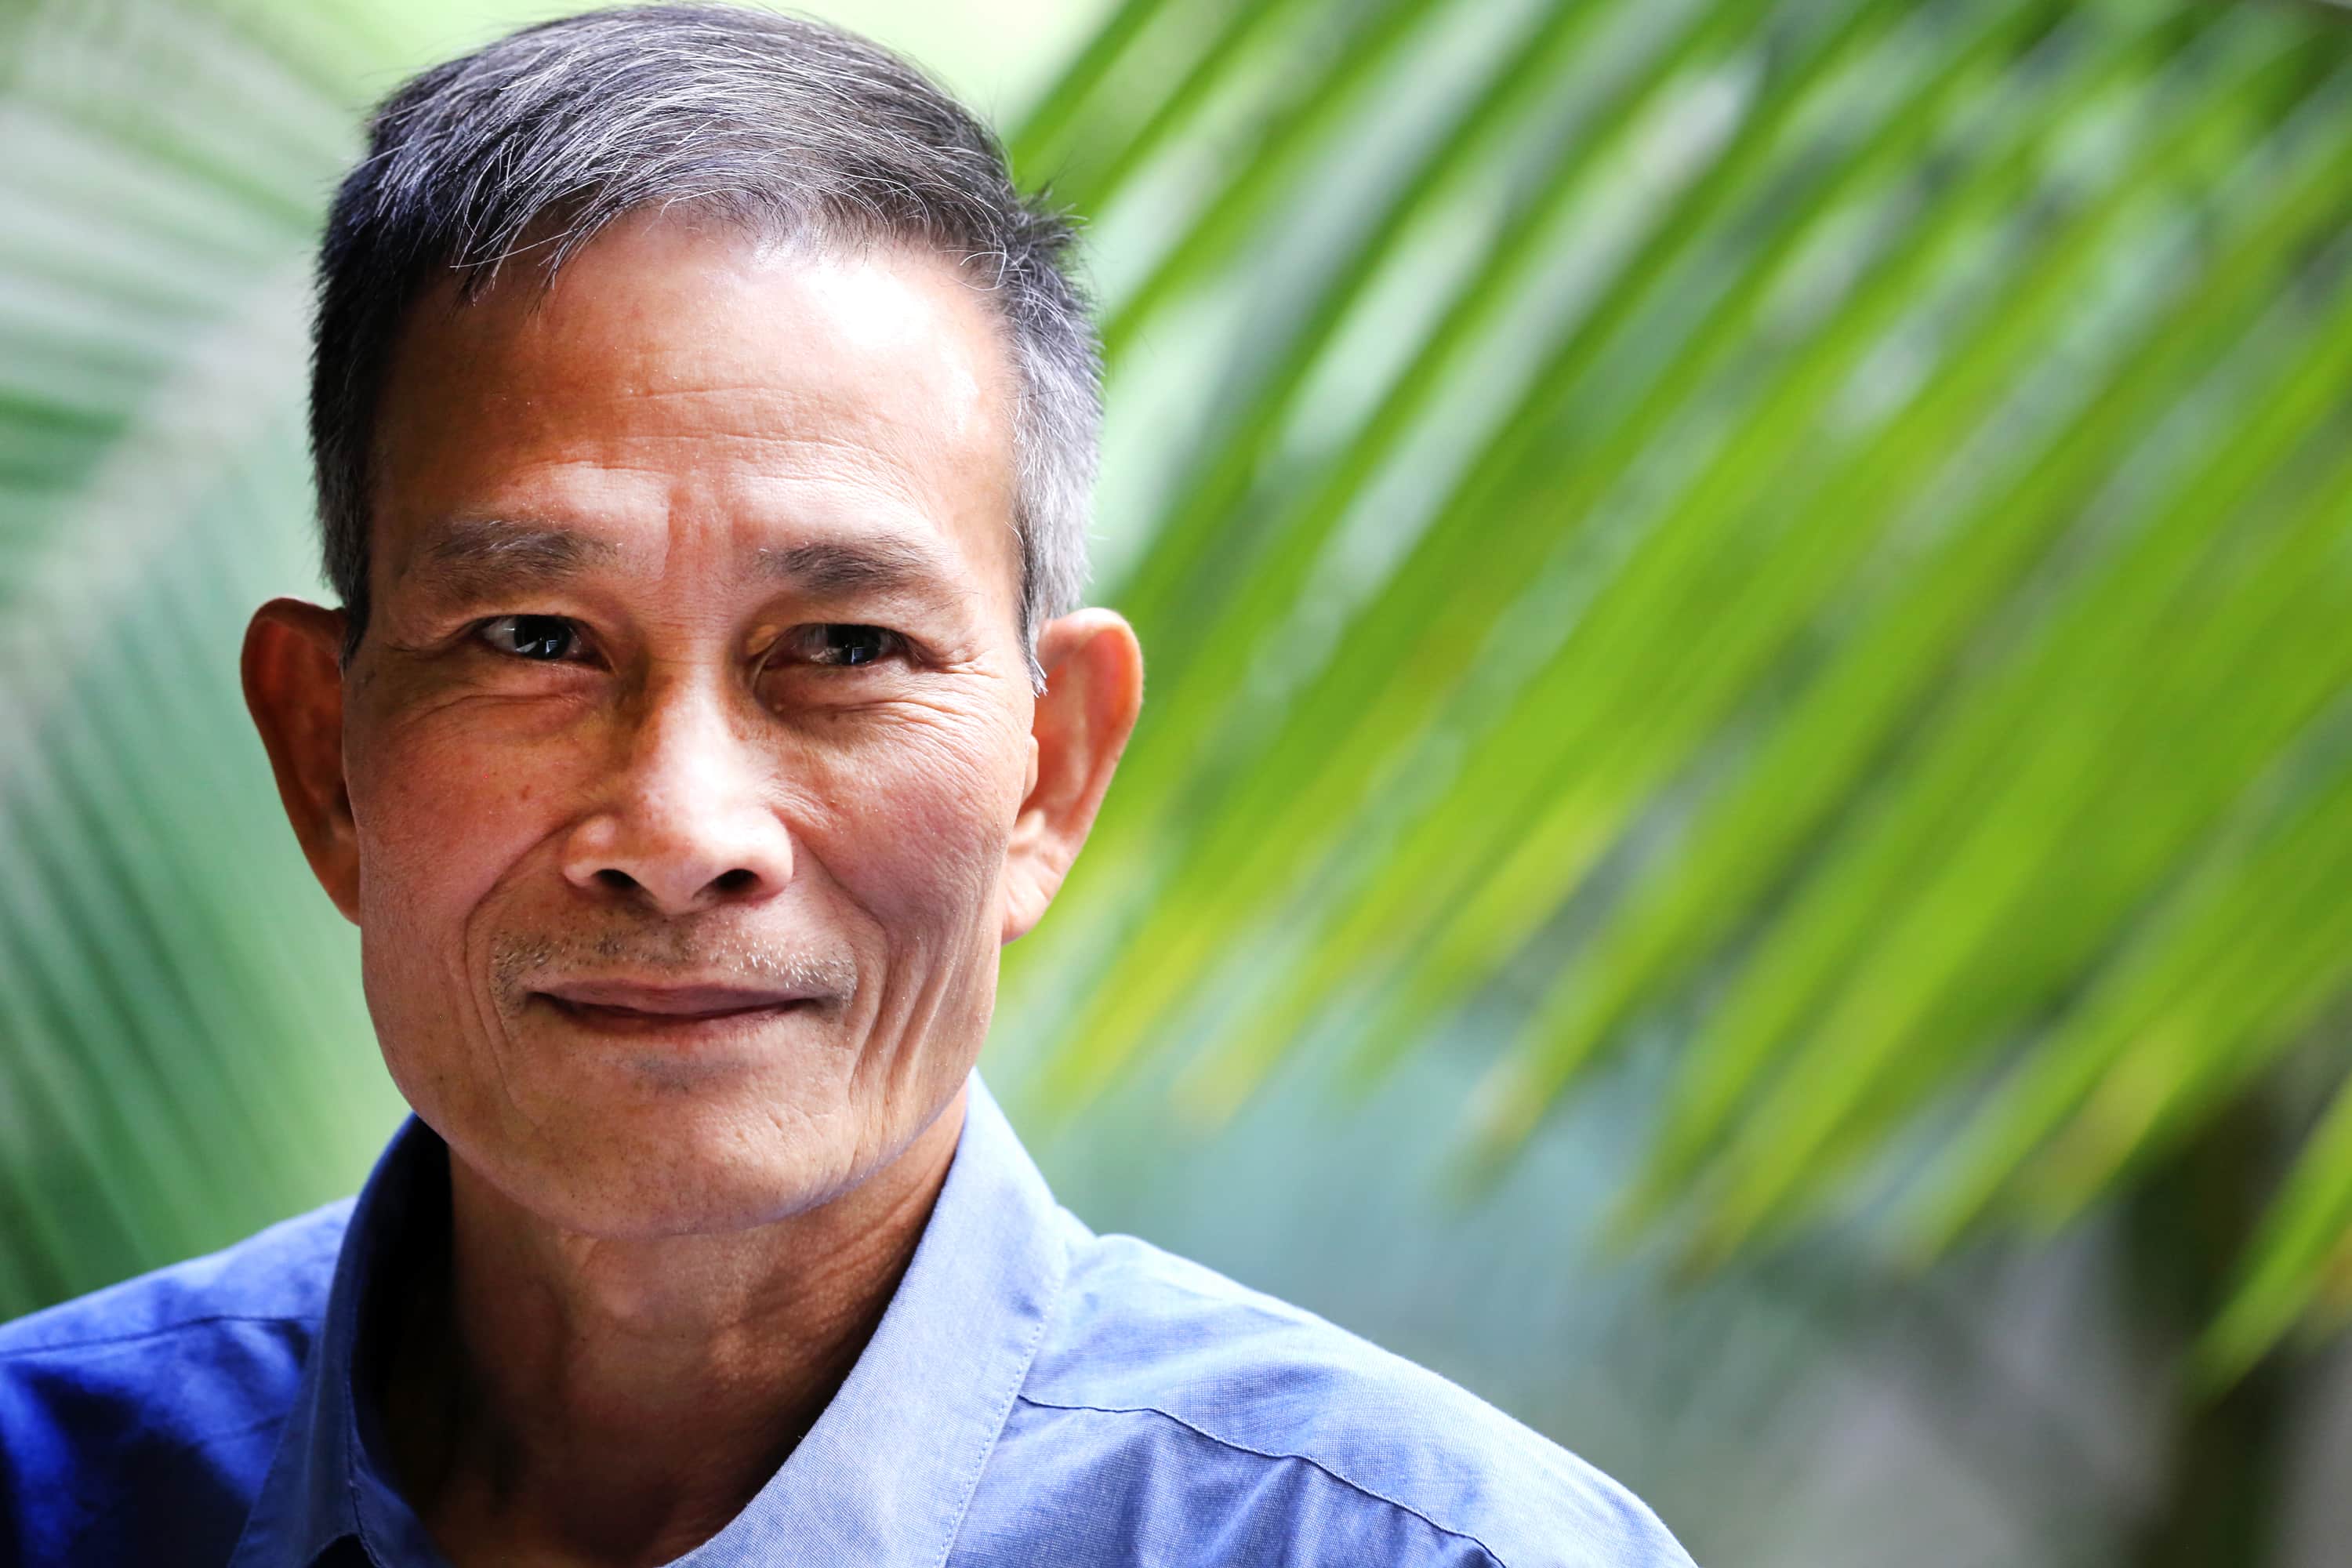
<point x="1741" y="831"/>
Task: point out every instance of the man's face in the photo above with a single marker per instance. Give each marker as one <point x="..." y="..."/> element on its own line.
<point x="691" y="721"/>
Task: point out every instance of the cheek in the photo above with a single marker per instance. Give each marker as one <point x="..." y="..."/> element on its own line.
<point x="442" y="814"/>
<point x="915" y="824"/>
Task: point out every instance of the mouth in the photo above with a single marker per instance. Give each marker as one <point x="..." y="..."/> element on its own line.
<point x="623" y="1008"/>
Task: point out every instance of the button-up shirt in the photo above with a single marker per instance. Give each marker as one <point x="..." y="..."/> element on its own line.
<point x="1036" y="1396"/>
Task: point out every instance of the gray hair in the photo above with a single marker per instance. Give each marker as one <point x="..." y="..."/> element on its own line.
<point x="786" y="125"/>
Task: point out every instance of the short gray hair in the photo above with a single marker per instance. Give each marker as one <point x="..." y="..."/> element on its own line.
<point x="784" y="124"/>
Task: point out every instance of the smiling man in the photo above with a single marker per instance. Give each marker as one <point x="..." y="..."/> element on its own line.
<point x="704" y="430"/>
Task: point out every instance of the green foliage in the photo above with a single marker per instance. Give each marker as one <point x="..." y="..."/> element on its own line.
<point x="1844" y="554"/>
<point x="1818" y="528"/>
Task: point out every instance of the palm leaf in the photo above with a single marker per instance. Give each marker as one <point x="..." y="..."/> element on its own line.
<point x="1791" y="631"/>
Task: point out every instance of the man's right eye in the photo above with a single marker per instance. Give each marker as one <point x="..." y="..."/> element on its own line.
<point x="542" y="638"/>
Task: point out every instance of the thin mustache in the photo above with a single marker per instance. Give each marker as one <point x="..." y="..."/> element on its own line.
<point x="515" y="961"/>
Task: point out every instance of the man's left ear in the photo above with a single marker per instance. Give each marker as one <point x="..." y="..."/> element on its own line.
<point x="1094" y="688"/>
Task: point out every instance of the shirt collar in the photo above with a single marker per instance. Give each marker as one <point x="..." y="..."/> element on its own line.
<point x="883" y="1477"/>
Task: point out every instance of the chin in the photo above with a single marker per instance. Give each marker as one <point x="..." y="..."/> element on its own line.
<point x="659" y="1163"/>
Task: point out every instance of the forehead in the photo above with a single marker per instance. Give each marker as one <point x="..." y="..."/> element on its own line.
<point x="680" y="374"/>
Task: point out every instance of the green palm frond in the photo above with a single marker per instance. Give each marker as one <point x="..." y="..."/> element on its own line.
<point x="1817" y="528"/>
<point x="180" y="1046"/>
<point x="1885" y="602"/>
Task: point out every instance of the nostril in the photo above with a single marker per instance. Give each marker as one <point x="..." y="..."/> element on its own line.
<point x="619" y="882"/>
<point x="739" y="880"/>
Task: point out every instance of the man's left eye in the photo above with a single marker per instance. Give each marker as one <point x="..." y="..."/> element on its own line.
<point x="542" y="638"/>
<point x="842" y="644"/>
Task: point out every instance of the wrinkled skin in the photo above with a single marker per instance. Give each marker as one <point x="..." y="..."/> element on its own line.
<point x="683" y="795"/>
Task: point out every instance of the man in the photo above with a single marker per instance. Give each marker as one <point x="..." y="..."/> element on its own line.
<point x="704" y="429"/>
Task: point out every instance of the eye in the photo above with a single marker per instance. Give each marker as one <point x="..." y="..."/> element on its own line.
<point x="840" y="643"/>
<point x="544" y="639"/>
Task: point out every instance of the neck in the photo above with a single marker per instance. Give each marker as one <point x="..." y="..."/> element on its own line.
<point x="570" y="1399"/>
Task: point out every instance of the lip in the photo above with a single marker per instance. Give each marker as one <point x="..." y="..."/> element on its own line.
<point x="633" y="1007"/>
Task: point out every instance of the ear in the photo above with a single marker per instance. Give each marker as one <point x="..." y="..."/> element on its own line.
<point x="1094" y="688"/>
<point x="294" y="688"/>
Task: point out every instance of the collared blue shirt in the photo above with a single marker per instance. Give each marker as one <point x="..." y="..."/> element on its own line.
<point x="1036" y="1396"/>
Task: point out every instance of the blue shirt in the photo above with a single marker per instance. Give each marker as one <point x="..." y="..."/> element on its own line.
<point x="1036" y="1396"/>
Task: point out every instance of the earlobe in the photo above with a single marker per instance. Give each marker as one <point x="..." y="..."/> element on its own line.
<point x="1094" y="691"/>
<point x="294" y="689"/>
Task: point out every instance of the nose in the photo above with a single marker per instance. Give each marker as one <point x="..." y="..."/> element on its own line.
<point x="686" y="820"/>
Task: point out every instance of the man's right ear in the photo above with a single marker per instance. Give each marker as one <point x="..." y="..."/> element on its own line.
<point x="294" y="688"/>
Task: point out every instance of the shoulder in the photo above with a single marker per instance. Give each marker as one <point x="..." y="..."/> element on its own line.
<point x="169" y="1388"/>
<point x="274" y="1274"/>
<point x="1180" y="1366"/>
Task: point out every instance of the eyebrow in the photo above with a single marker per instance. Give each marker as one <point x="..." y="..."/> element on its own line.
<point x="474" y="556"/>
<point x="830" y="568"/>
